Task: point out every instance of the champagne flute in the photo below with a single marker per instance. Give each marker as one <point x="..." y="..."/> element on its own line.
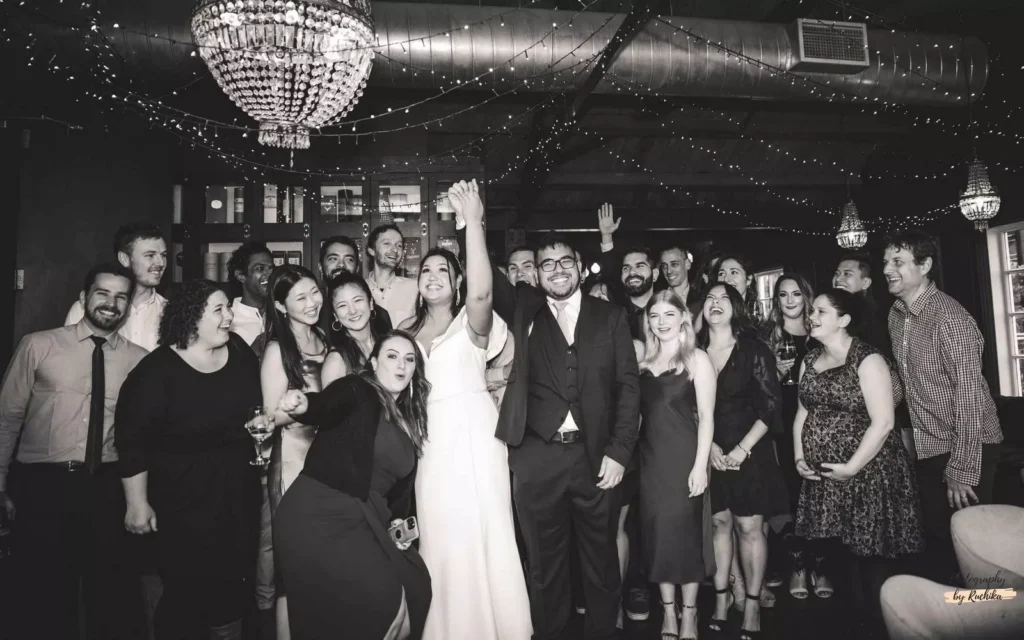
<point x="259" y="426"/>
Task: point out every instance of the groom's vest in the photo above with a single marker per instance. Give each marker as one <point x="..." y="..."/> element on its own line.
<point x="554" y="382"/>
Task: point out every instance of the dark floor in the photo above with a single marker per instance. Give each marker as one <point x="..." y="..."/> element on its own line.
<point x="790" y="619"/>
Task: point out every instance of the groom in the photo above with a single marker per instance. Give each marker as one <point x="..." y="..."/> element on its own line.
<point x="570" y="417"/>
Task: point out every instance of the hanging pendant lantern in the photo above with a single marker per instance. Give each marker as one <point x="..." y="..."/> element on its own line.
<point x="979" y="202"/>
<point x="851" y="233"/>
<point x="291" y="66"/>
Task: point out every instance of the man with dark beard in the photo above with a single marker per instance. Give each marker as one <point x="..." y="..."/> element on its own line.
<point x="65" y="496"/>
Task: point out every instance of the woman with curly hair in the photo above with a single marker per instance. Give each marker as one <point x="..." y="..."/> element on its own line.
<point x="184" y="458"/>
<point x="346" y="574"/>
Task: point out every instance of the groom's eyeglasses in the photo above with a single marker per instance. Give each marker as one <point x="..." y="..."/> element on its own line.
<point x="568" y="262"/>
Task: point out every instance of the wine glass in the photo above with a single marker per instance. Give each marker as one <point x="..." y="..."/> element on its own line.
<point x="260" y="426"/>
<point x="787" y="355"/>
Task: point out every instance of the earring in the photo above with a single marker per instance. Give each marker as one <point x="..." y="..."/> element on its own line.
<point x="373" y="314"/>
<point x="336" y="328"/>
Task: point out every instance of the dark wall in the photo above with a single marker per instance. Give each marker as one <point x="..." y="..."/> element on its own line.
<point x="77" y="188"/>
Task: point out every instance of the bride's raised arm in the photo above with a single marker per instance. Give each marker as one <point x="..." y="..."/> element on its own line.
<point x="465" y="199"/>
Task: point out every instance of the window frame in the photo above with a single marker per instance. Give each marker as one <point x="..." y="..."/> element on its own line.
<point x="1010" y="363"/>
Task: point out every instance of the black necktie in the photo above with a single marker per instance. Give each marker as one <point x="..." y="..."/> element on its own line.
<point x="94" y="441"/>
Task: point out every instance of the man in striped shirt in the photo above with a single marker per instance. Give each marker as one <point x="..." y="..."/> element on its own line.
<point x="938" y="350"/>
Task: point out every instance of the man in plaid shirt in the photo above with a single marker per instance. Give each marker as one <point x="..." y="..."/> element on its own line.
<point x="938" y="350"/>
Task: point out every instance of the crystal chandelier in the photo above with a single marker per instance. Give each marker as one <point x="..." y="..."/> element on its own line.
<point x="292" y="66"/>
<point x="979" y="202"/>
<point x="851" y="231"/>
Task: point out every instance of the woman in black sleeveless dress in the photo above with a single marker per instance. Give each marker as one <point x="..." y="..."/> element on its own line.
<point x="860" y="488"/>
<point x="677" y="396"/>
<point x="746" y="483"/>
<point x="345" y="575"/>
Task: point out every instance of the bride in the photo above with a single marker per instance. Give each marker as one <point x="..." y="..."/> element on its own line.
<point x="463" y="498"/>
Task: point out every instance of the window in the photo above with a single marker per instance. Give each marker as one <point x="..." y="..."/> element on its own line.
<point x="765" y="283"/>
<point x="1006" y="261"/>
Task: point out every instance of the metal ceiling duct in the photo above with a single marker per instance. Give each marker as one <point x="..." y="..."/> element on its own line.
<point x="907" y="68"/>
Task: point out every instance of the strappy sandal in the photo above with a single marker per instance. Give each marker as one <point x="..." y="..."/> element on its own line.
<point x="715" y="625"/>
<point x="666" y="634"/>
<point x="679" y="612"/>
<point x="822" y="585"/>
<point x="767" y="598"/>
<point x="746" y="634"/>
<point x="738" y="602"/>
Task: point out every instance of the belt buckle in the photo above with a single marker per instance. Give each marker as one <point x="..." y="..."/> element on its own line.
<point x="568" y="437"/>
<point x="72" y="465"/>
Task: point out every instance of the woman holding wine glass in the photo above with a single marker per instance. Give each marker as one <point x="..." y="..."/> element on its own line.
<point x="181" y="433"/>
<point x="788" y="334"/>
<point x="295" y="352"/>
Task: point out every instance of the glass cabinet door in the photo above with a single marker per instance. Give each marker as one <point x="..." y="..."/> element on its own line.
<point x="283" y="204"/>
<point x="341" y="202"/>
<point x="225" y="204"/>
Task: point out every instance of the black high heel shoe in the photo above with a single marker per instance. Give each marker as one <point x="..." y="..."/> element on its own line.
<point x="746" y="634"/>
<point x="715" y="625"/>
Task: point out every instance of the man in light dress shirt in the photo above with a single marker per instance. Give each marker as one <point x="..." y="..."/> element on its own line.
<point x="140" y="247"/>
<point x="250" y="266"/>
<point x="938" y="350"/>
<point x="67" y="504"/>
<point x="390" y="290"/>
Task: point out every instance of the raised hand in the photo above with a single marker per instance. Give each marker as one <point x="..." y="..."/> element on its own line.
<point x="606" y="221"/>
<point x="465" y="199"/>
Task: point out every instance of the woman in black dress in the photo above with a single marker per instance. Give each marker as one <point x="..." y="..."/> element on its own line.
<point x="746" y="483"/>
<point x="860" y="487"/>
<point x="184" y="457"/>
<point x="677" y="396"/>
<point x="345" y="575"/>
<point x="787" y="333"/>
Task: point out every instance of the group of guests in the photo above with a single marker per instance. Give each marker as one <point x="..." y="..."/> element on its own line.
<point x="466" y="454"/>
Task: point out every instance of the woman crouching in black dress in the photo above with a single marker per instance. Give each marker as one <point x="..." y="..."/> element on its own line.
<point x="344" y="573"/>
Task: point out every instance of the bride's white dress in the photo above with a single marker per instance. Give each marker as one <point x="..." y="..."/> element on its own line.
<point x="464" y="501"/>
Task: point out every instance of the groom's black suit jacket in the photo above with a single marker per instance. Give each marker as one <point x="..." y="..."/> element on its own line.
<point x="608" y="378"/>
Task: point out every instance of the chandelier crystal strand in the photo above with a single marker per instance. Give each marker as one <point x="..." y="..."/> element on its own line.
<point x="291" y="66"/>
<point x="851" y="230"/>
<point x="979" y="202"/>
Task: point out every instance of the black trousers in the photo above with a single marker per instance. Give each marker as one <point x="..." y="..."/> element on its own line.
<point x="69" y="549"/>
<point x="556" y="496"/>
<point x="938" y="562"/>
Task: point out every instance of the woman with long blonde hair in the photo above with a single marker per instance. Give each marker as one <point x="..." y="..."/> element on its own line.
<point x="677" y="396"/>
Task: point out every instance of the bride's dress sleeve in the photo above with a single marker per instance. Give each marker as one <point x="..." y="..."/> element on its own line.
<point x="496" y="339"/>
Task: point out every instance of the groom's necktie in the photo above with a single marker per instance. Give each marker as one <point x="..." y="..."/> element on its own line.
<point x="563" y="321"/>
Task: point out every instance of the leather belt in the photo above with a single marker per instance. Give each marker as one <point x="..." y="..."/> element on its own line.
<point x="66" y="466"/>
<point x="567" y="437"/>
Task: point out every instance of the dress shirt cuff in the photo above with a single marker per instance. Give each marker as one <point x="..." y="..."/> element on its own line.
<point x="607" y="246"/>
<point x="969" y="476"/>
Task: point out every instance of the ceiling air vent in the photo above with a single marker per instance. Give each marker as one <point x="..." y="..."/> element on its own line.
<point x="831" y="47"/>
